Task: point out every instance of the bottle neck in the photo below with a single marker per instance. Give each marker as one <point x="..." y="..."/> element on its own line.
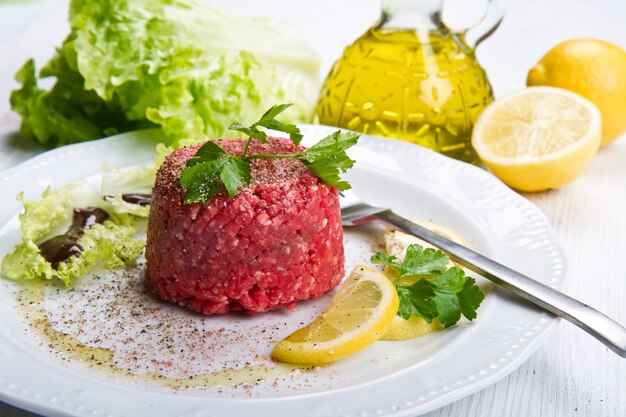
<point x="411" y="14"/>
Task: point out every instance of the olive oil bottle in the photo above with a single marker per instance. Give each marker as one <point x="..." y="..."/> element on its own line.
<point x="411" y="78"/>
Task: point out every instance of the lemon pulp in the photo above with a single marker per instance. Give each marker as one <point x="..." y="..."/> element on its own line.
<point x="538" y="138"/>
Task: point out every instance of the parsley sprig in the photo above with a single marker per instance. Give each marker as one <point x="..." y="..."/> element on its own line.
<point x="212" y="165"/>
<point x="442" y="292"/>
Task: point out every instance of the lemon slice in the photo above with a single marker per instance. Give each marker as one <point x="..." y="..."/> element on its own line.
<point x="396" y="244"/>
<point x="358" y="315"/>
<point x="538" y="138"/>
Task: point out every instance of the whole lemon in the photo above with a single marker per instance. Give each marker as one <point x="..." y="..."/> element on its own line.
<point x="594" y="69"/>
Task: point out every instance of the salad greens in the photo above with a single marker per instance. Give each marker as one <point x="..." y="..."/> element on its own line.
<point x="440" y="292"/>
<point x="183" y="65"/>
<point x="110" y="244"/>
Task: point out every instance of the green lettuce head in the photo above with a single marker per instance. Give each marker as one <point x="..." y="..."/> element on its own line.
<point x="184" y="65"/>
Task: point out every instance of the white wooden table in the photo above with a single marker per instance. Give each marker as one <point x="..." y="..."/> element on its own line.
<point x="571" y="374"/>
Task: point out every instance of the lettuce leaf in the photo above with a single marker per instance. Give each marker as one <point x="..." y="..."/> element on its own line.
<point x="111" y="244"/>
<point x="67" y="113"/>
<point x="117" y="181"/>
<point x="48" y="216"/>
<point x="184" y="65"/>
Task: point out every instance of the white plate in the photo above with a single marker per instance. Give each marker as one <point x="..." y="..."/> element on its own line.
<point x="386" y="379"/>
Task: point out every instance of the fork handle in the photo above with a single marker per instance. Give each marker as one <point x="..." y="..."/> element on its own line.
<point x="600" y="326"/>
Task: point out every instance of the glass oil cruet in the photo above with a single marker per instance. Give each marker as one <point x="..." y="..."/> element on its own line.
<point x="411" y="78"/>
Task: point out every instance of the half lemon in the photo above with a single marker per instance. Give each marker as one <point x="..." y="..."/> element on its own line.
<point x="538" y="138"/>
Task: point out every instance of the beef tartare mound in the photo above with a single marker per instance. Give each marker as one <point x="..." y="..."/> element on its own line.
<point x="279" y="240"/>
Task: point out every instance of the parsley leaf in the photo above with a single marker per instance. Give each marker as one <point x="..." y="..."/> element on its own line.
<point x="210" y="151"/>
<point x="456" y="294"/>
<point x="235" y="174"/>
<point x="210" y="163"/>
<point x="328" y="157"/>
<point x="268" y="120"/>
<point x="445" y="300"/>
<point x="470" y="298"/>
<point x="200" y="181"/>
<point x="414" y="300"/>
<point x="382" y="258"/>
<point x="250" y="131"/>
<point x="423" y="261"/>
<point x="446" y="295"/>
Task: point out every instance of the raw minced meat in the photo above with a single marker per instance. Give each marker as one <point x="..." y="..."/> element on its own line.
<point x="276" y="242"/>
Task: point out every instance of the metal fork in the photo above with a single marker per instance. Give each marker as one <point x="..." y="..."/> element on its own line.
<point x="355" y="212"/>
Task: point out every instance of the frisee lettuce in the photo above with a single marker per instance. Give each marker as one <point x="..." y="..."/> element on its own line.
<point x="111" y="244"/>
<point x="46" y="217"/>
<point x="184" y="65"/>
